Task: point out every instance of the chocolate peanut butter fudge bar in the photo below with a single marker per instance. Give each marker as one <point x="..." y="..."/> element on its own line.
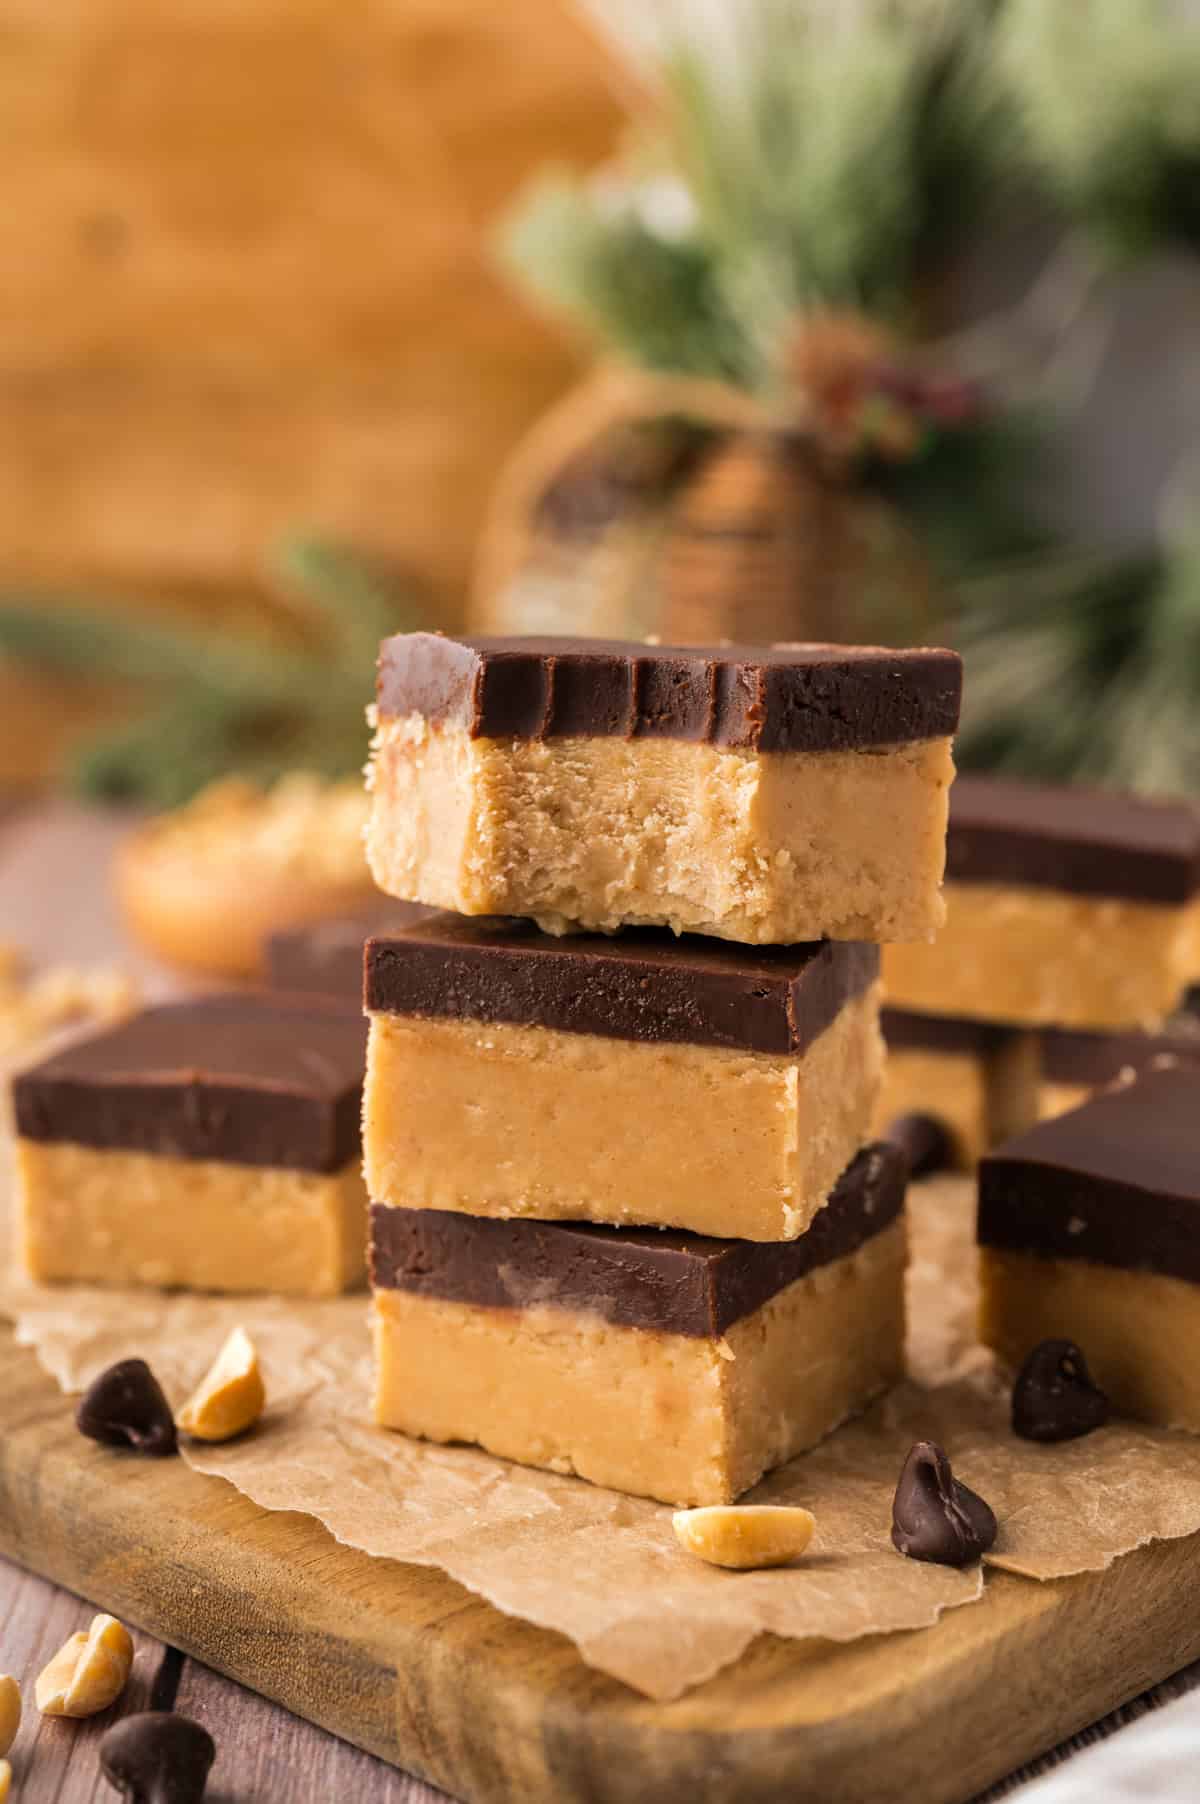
<point x="642" y="1079"/>
<point x="1089" y="1230"/>
<point x="763" y="794"/>
<point x="664" y="1364"/>
<point x="1073" y="1064"/>
<point x="326" y="957"/>
<point x="1065" y="908"/>
<point x="978" y="1081"/>
<point x="212" y="1144"/>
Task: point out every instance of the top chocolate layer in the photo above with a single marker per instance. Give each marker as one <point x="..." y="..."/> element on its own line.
<point x="1070" y="1057"/>
<point x="644" y="984"/>
<point x="255" y="1080"/>
<point x="326" y="958"/>
<point x="674" y="1282"/>
<point x="765" y="698"/>
<point x="1084" y="841"/>
<point x="905" y="1030"/>
<point x="1116" y="1181"/>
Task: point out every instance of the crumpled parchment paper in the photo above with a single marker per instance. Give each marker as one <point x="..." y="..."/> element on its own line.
<point x="604" y="1569"/>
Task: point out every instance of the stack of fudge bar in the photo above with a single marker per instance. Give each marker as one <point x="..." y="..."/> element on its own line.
<point x="625" y="1054"/>
<point x="1072" y="933"/>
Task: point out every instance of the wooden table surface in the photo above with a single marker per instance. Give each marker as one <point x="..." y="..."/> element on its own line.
<point x="53" y="899"/>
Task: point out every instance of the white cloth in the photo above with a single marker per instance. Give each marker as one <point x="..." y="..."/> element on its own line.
<point x="1155" y="1760"/>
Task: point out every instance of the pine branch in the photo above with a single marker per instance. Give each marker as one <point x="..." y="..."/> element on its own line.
<point x="161" y="757"/>
<point x="1087" y="670"/>
<point x="110" y="641"/>
<point x="816" y="166"/>
<point x="1109" y="104"/>
<point x="349" y="595"/>
<point x="220" y="703"/>
<point x="587" y="250"/>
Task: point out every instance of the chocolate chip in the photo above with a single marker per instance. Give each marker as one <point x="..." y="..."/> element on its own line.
<point x="157" y="1757"/>
<point x="924" y="1142"/>
<point x="1055" y="1397"/>
<point x="934" y="1517"/>
<point x="125" y="1407"/>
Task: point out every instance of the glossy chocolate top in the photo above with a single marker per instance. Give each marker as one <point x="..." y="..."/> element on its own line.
<point x="1088" y="842"/>
<point x="674" y="1282"/>
<point x="1116" y="1181"/>
<point x="905" y="1030"/>
<point x="767" y="698"/>
<point x="641" y="985"/>
<point x="326" y="958"/>
<point x="253" y="1079"/>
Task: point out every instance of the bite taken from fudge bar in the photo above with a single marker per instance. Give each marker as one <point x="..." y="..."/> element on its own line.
<point x="209" y="1145"/>
<point x="768" y="794"/>
<point x="641" y="1079"/>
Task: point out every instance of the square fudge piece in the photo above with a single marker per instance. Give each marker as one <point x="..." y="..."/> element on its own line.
<point x="211" y="1145"/>
<point x="763" y="794"/>
<point x="644" y="1080"/>
<point x="663" y="1364"/>
<point x="1064" y="908"/>
<point x="1089" y="1229"/>
<point x="978" y="1083"/>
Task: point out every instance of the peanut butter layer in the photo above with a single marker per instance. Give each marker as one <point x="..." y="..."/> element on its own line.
<point x="1039" y="957"/>
<point x="600" y="833"/>
<point x="496" y="1119"/>
<point x="949" y="1087"/>
<point x="684" y="1418"/>
<point x="1059" y="1099"/>
<point x="1139" y="1329"/>
<point x="133" y="1218"/>
<point x="977" y="1082"/>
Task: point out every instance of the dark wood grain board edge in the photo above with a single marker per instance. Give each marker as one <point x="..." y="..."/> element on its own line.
<point x="405" y="1663"/>
<point x="268" y="1755"/>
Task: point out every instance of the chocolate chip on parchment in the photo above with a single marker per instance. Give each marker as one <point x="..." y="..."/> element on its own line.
<point x="125" y="1407"/>
<point x="924" y="1141"/>
<point x="157" y="1757"/>
<point x="1055" y="1397"/>
<point x="936" y="1518"/>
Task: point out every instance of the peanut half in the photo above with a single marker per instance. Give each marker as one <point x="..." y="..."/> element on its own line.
<point x="743" y="1536"/>
<point x="88" y="1673"/>
<point x="230" y="1397"/>
<point x="5" y="1780"/>
<point x="10" y="1712"/>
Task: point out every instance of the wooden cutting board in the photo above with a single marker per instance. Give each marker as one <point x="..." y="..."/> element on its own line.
<point x="404" y="1662"/>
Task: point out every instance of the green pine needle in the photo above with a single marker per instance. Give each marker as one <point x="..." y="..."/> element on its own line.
<point x="217" y="703"/>
<point x="1084" y="670"/>
<point x="827" y="166"/>
<point x="590" y="252"/>
<point x="1109" y="100"/>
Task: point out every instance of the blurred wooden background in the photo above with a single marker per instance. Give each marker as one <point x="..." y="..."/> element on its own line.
<point x="245" y="284"/>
